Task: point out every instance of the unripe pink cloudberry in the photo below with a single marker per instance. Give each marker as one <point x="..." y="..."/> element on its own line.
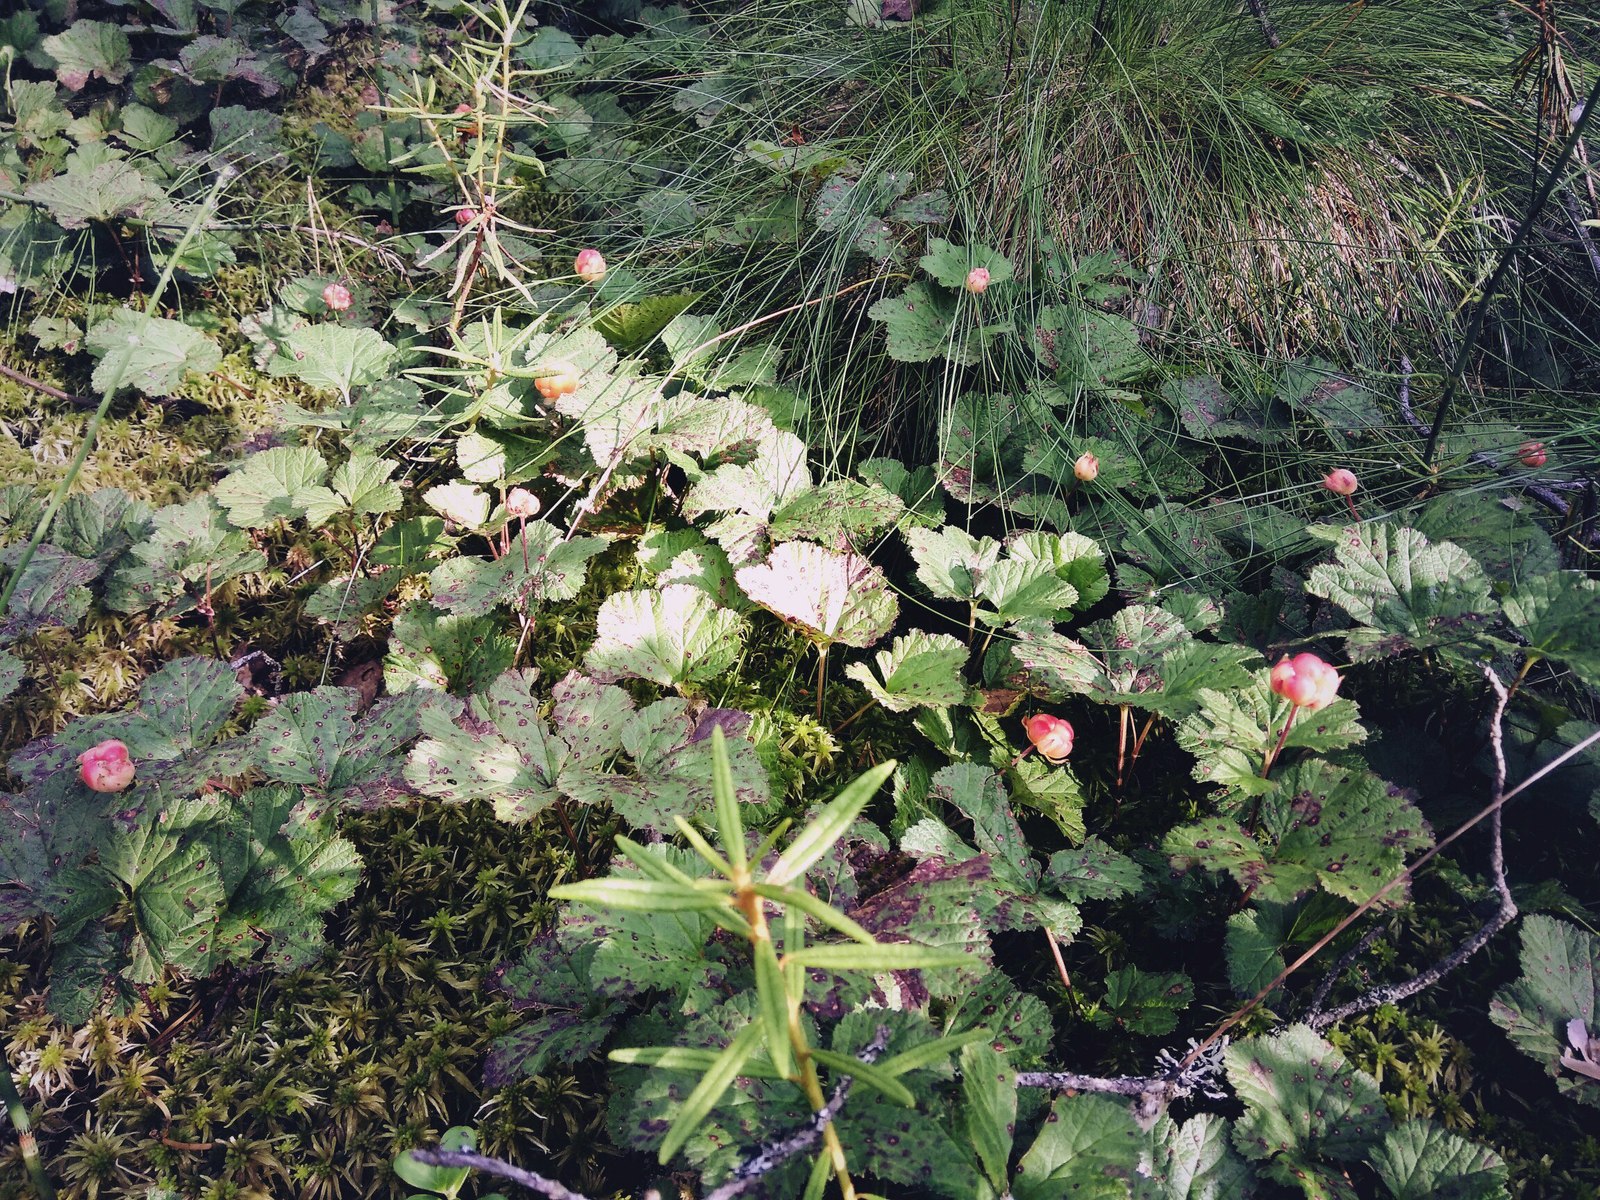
<point x="1340" y="482"/>
<point x="1051" y="736"/>
<point x="1305" y="681"/>
<point x="978" y="280"/>
<point x="520" y="502"/>
<point x="590" y="265"/>
<point x="1086" y="468"/>
<point x="336" y="296"/>
<point x="106" y="767"/>
<point x="1531" y="454"/>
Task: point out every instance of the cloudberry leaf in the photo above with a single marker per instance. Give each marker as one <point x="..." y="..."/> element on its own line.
<point x="1559" y="984"/>
<point x="335" y="357"/>
<point x="1558" y="614"/>
<point x="1088" y="1146"/>
<point x="431" y="649"/>
<point x="1321" y="824"/>
<point x="1406" y="593"/>
<point x="676" y="636"/>
<point x="828" y="596"/>
<point x="189" y="548"/>
<point x="951" y="562"/>
<point x="540" y="567"/>
<point x="1305" y="1107"/>
<point x="1419" y="1160"/>
<point x="274" y="485"/>
<point x="919" y="669"/>
<point x="152" y="355"/>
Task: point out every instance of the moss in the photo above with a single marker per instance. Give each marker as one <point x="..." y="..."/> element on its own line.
<point x="256" y="1085"/>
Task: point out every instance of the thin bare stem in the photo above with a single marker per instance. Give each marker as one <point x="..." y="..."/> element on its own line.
<point x="1505" y="912"/>
<point x="1398" y="881"/>
<point x="54" y="393"/>
<point x="1061" y="963"/>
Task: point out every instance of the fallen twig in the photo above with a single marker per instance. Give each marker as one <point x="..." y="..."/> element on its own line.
<point x="775" y="1153"/>
<point x="1505" y="912"/>
<point x="1174" y="1078"/>
<point x="767" y="1159"/>
<point x="39" y="385"/>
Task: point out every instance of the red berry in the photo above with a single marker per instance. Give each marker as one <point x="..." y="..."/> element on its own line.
<point x="1532" y="454"/>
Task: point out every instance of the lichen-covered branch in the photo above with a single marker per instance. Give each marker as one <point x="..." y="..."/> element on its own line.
<point x="1175" y="1078"/>
<point x="1505" y="911"/>
<point x="775" y="1153"/>
<point x="767" y="1159"/>
<point x="503" y="1170"/>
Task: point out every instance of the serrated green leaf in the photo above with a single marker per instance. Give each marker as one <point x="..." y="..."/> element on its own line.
<point x="950" y="264"/>
<point x="12" y="673"/>
<point x="152" y="355"/>
<point x="918" y="490"/>
<point x="1088" y="1147"/>
<point x="86" y="49"/>
<point x="1019" y="589"/>
<point x="189" y="548"/>
<point x="918" y="669"/>
<point x="1094" y="871"/>
<point x="951" y="563"/>
<point x="315" y="739"/>
<point x="282" y="875"/>
<point x="1420" y="1161"/>
<point x="360" y="486"/>
<point x="181" y="709"/>
<point x="1558" y="614"/>
<point x="1304" y="1103"/>
<point x="920" y="325"/>
<point x="1193" y="1161"/>
<point x="1343" y="829"/>
<point x="1406" y="593"/>
<point x="1559" y="984"/>
<point x="1253" y="946"/>
<point x="674" y="636"/>
<point x="337" y="357"/>
<point x="436" y="650"/>
<point x="540" y="567"/>
<point x="272" y="485"/>
<point x="1144" y="1001"/>
<point x="831" y="597"/>
<point x="1231" y="733"/>
<point x="839" y="513"/>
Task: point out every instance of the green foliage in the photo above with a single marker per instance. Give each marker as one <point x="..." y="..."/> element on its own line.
<point x="1559" y="989"/>
<point x="1407" y="593"/>
<point x="761" y="966"/>
<point x="675" y="637"/>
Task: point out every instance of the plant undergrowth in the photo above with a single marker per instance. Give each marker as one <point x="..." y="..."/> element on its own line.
<point x="799" y="698"/>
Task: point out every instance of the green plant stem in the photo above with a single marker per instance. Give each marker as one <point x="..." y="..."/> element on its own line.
<point x="1480" y="310"/>
<point x="18" y="1113"/>
<point x="1266" y="767"/>
<point x="59" y="496"/>
<point x="753" y="908"/>
<point x="822" y="676"/>
<point x="388" y="147"/>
